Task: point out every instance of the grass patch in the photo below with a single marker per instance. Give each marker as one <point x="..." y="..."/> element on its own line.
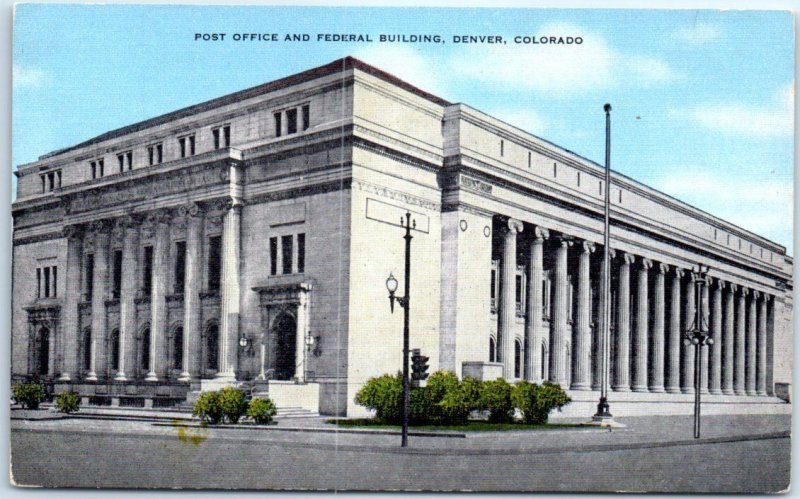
<point x="469" y="426"/>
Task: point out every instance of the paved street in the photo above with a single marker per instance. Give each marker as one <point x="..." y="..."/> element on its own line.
<point x="652" y="454"/>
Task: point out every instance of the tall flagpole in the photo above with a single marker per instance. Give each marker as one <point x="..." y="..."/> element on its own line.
<point x="603" y="416"/>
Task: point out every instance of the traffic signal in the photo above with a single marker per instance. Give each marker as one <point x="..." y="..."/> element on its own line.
<point x="419" y="366"/>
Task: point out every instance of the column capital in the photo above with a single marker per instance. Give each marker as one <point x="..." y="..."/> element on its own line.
<point x="588" y="247"/>
<point x="733" y="287"/>
<point x="190" y="210"/>
<point x="160" y="216"/>
<point x="512" y="226"/>
<point x="756" y="294"/>
<point x="646" y="263"/>
<point x="72" y="231"/>
<point x="719" y="282"/>
<point x="540" y="234"/>
<point x="662" y="268"/>
<point x="626" y="258"/>
<point x="745" y="291"/>
<point x="679" y="272"/>
<point x="100" y="226"/>
<point x="564" y="240"/>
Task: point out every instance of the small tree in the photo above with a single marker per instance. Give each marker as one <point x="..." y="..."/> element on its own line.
<point x="207" y="408"/>
<point x="28" y="395"/>
<point x="495" y="396"/>
<point x="67" y="402"/>
<point x="537" y="401"/>
<point x="459" y="400"/>
<point x="384" y="395"/>
<point x="261" y="410"/>
<point x="232" y="403"/>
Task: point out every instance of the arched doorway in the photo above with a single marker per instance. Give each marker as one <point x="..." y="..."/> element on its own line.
<point x="284" y="330"/>
<point x="42" y="365"/>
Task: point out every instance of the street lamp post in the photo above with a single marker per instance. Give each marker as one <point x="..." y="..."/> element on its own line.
<point x="699" y="336"/>
<point x="403" y="301"/>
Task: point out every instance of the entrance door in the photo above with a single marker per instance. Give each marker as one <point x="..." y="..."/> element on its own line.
<point x="285" y="333"/>
<point x="43" y="352"/>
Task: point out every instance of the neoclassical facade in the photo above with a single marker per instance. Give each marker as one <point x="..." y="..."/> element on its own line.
<point x="247" y="239"/>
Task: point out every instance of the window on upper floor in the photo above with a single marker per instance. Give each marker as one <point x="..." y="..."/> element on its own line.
<point x="293" y="119"/>
<point x="273" y="255"/>
<point x="306" y="116"/>
<point x="125" y="161"/>
<point x="47" y="282"/>
<point x="222" y="136"/>
<point x="288" y="253"/>
<point x="98" y="168"/>
<point x="51" y="180"/>
<point x="186" y="145"/>
<point x="278" y="124"/>
<point x="155" y="154"/>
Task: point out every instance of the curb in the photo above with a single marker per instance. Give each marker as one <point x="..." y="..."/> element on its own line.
<point x="316" y="430"/>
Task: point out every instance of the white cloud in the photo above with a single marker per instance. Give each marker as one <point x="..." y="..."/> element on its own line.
<point x="27" y="77"/>
<point x="648" y="70"/>
<point x="773" y="119"/>
<point x="405" y="63"/>
<point x="698" y="34"/>
<point x="526" y="119"/>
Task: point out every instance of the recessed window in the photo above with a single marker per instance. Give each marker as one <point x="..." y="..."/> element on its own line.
<point x="116" y="290"/>
<point x="125" y="161"/>
<point x="301" y="253"/>
<point x="502" y="147"/>
<point x="214" y="262"/>
<point x="88" y="285"/>
<point x="155" y="154"/>
<point x="46" y="282"/>
<point x="291" y="121"/>
<point x="98" y="168"/>
<point x="186" y="145"/>
<point x="286" y="254"/>
<point x="51" y="180"/>
<point x="273" y="255"/>
<point x="492" y="349"/>
<point x="529" y="159"/>
<point x="222" y="136"/>
<point x="555" y="170"/>
<point x="278" y="124"/>
<point x="147" y="280"/>
<point x="180" y="266"/>
<point x="306" y="116"/>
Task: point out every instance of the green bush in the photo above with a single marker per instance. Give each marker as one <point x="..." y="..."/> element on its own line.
<point x="232" y="403"/>
<point x="495" y="396"/>
<point x="28" y="395"/>
<point x="459" y="400"/>
<point x="67" y="402"/>
<point x="261" y="410"/>
<point x="384" y="395"/>
<point x="537" y="401"/>
<point x="208" y="408"/>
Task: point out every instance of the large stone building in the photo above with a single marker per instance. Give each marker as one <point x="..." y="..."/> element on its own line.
<point x="249" y="238"/>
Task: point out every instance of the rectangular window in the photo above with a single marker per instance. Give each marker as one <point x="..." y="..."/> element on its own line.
<point x="38" y="283"/>
<point x="306" y="116"/>
<point x="301" y="253"/>
<point x="93" y="164"/>
<point x="518" y="293"/>
<point x="89" y="284"/>
<point x="58" y="175"/>
<point x="44" y="183"/>
<point x="129" y="157"/>
<point x="159" y="153"/>
<point x="116" y="292"/>
<point x="182" y="145"/>
<point x="214" y="262"/>
<point x="291" y="121"/>
<point x="121" y="161"/>
<point x="55" y="281"/>
<point x="502" y="147"/>
<point x="215" y="133"/>
<point x="278" y="124"/>
<point x="191" y="145"/>
<point x="180" y="266"/>
<point x="150" y="155"/>
<point x="101" y="165"/>
<point x="494" y="286"/>
<point x="286" y="254"/>
<point x="222" y="136"/>
<point x="51" y="178"/>
<point x="226" y="136"/>
<point x="273" y="255"/>
<point x="147" y="281"/>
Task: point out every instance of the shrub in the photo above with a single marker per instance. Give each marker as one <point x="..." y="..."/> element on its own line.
<point x="207" y="408"/>
<point x="261" y="410"/>
<point x="232" y="404"/>
<point x="537" y="401"/>
<point x="67" y="402"/>
<point x="28" y="395"/>
<point x="459" y="400"/>
<point x="495" y="396"/>
<point x="384" y="395"/>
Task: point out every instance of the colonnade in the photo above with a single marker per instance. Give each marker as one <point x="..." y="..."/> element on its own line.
<point x="653" y="305"/>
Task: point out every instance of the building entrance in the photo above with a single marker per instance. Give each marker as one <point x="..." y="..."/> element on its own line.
<point x="285" y="332"/>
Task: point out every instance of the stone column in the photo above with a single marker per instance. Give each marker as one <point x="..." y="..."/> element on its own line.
<point x="687" y="351"/>
<point x="622" y="360"/>
<point x="70" y="323"/>
<point x="657" y="335"/>
<point x="558" y="323"/>
<point x="300" y="337"/>
<point x="715" y="364"/>
<point x="674" y="339"/>
<point x="739" y="343"/>
<point x="158" y="298"/>
<point x="600" y="327"/>
<point x="640" y="340"/>
<point x="704" y="350"/>
<point x="750" y="346"/>
<point x="728" y="335"/>
<point x="127" y="300"/>
<point x="581" y="359"/>
<point x="98" y="294"/>
<point x="761" y="367"/>
<point x="191" y="293"/>
<point x="229" y="310"/>
<point x="533" y="328"/>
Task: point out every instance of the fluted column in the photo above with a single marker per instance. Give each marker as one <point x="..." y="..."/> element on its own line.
<point x="191" y="296"/>
<point x="98" y="295"/>
<point x="127" y="301"/>
<point x="657" y="334"/>
<point x="728" y="335"/>
<point x="70" y="323"/>
<point x="229" y="330"/>
<point x="687" y="351"/>
<point x="158" y="299"/>
<point x="558" y="324"/>
<point x="715" y="363"/>
<point x="750" y="345"/>
<point x="640" y="339"/>
<point x="761" y="368"/>
<point x="674" y="339"/>
<point x="599" y="330"/>
<point x="622" y="360"/>
<point x="705" y="351"/>
<point x="533" y="328"/>
<point x="582" y="360"/>
<point x="739" y="343"/>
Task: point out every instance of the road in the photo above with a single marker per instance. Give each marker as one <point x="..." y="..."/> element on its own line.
<point x="169" y="457"/>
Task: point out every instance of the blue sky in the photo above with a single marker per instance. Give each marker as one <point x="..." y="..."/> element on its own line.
<point x="703" y="100"/>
